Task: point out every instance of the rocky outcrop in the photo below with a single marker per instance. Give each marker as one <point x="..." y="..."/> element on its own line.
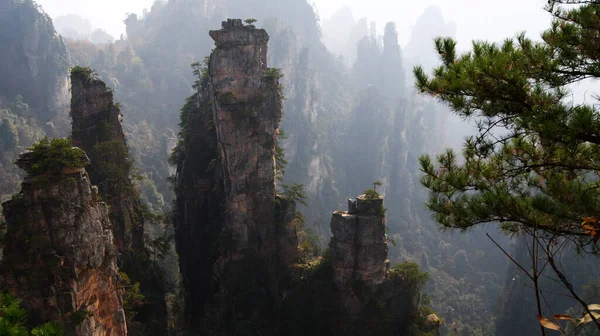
<point x="59" y="257"/>
<point x="358" y="245"/>
<point x="226" y="182"/>
<point x="362" y="276"/>
<point x="34" y="60"/>
<point x="247" y="111"/>
<point x="97" y="130"/>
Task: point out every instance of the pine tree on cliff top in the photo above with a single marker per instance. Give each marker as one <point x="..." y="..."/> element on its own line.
<point x="534" y="164"/>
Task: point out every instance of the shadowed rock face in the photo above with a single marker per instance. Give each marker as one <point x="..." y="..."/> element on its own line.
<point x="232" y="227"/>
<point x="97" y="130"/>
<point x="59" y="257"/>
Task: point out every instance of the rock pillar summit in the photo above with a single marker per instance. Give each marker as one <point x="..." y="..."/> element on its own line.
<point x="358" y="246"/>
<point x="247" y="110"/>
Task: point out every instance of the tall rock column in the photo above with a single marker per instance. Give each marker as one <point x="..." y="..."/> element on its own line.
<point x="97" y="130"/>
<point x="372" y="298"/>
<point x="234" y="234"/>
<point x="358" y="245"/>
<point x="59" y="258"/>
<point x="247" y="108"/>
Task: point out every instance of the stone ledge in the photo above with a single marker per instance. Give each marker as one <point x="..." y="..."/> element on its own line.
<point x="235" y="33"/>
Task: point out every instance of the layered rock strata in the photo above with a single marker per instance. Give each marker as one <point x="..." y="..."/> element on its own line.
<point x="59" y="258"/>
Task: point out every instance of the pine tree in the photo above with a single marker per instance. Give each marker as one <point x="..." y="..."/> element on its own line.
<point x="535" y="161"/>
<point x="534" y="164"/>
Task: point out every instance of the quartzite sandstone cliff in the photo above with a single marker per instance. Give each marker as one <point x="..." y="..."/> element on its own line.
<point x="226" y="181"/>
<point x="59" y="258"/>
<point x="97" y="130"/>
<point x="247" y="111"/>
<point x="235" y="235"/>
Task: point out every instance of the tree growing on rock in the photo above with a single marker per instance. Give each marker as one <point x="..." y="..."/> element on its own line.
<point x="534" y="165"/>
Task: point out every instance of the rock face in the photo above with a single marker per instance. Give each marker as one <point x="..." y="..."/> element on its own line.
<point x="34" y="60"/>
<point x="362" y="276"/>
<point x="97" y="130"/>
<point x="247" y="112"/>
<point x="59" y="257"/>
<point x="198" y="205"/>
<point x="358" y="245"/>
<point x="226" y="181"/>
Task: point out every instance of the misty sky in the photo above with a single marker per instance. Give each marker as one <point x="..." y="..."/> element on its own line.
<point x="476" y="19"/>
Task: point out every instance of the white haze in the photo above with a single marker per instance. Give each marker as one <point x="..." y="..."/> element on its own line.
<point x="475" y="19"/>
<point x="104" y="14"/>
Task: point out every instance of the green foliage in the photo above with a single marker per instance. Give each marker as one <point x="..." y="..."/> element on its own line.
<point x="371" y="194"/>
<point x="534" y="160"/>
<point x="309" y="295"/>
<point x="48" y="329"/>
<point x="295" y="192"/>
<point x="112" y="166"/>
<point x="51" y="156"/>
<point x="160" y="246"/>
<point x="82" y="71"/>
<point x="273" y="73"/>
<point x="13" y="320"/>
<point x="250" y="22"/>
<point x="280" y="161"/>
<point x="376" y="184"/>
<point x="410" y="273"/>
<point x="19" y="106"/>
<point x="12" y="316"/>
<point x="132" y="297"/>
